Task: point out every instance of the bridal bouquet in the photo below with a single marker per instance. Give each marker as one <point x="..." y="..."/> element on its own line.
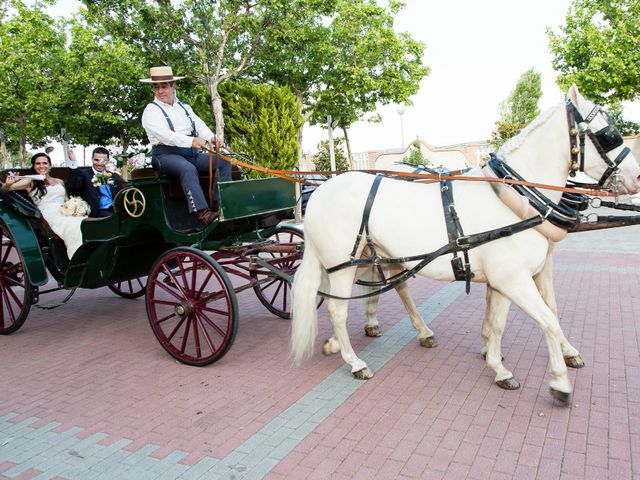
<point x="102" y="178"/>
<point x="75" y="207"/>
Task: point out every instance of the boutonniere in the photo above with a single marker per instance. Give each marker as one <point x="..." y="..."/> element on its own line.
<point x="102" y="178"/>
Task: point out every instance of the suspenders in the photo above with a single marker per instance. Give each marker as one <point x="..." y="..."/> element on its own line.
<point x="166" y="117"/>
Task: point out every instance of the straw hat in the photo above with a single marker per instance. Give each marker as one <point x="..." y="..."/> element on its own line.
<point x="160" y="75"/>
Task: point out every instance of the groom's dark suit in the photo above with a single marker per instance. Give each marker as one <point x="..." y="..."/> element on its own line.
<point x="80" y="183"/>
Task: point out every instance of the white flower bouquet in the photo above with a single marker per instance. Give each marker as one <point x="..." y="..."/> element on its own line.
<point x="75" y="207"/>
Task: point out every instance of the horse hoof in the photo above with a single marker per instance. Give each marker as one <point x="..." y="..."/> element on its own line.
<point x="563" y="398"/>
<point x="372" y="331"/>
<point x="508" y="384"/>
<point x="364" y="374"/>
<point x="329" y="347"/>
<point x="429" y="342"/>
<point x="574" y="362"/>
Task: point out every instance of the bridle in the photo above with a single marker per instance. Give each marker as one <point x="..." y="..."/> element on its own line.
<point x="604" y="140"/>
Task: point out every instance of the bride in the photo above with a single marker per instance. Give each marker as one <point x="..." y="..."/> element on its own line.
<point x="49" y="195"/>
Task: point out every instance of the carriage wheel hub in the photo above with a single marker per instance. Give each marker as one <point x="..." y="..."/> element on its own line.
<point x="183" y="309"/>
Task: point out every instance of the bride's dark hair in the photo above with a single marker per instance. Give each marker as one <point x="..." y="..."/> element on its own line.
<point x="39" y="186"/>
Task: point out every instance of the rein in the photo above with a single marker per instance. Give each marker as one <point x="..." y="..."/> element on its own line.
<point x="294" y="176"/>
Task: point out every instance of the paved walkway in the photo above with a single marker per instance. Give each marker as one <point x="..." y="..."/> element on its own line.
<point x="86" y="392"/>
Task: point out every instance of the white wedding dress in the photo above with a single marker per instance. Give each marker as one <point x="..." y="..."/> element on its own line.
<point x="67" y="228"/>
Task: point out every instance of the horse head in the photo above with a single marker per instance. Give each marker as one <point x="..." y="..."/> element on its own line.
<point x="597" y="147"/>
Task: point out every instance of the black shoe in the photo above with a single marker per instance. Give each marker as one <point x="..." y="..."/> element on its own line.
<point x="207" y="216"/>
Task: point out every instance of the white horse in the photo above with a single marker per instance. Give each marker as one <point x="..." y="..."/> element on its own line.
<point x="541" y="153"/>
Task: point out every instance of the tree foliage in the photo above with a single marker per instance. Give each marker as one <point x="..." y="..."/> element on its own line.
<point x="626" y="127"/>
<point x="416" y="157"/>
<point x="343" y="60"/>
<point x="32" y="50"/>
<point x="520" y="108"/>
<point x="598" y="49"/>
<point x="322" y="159"/>
<point x="209" y="40"/>
<point x="262" y="122"/>
<point x="102" y="97"/>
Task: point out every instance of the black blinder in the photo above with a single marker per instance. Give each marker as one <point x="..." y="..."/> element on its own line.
<point x="609" y="138"/>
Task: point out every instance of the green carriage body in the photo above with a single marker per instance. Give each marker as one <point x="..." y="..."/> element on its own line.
<point x="122" y="247"/>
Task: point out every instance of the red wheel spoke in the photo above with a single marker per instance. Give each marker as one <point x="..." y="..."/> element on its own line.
<point x="205" y="334"/>
<point x="275" y="295"/>
<point x="216" y="311"/>
<point x="165" y="318"/>
<point x="177" y="327"/>
<point x="174" y="280"/>
<point x="7" y="252"/>
<point x="166" y="288"/>
<point x="214" y="326"/>
<point x="185" y="337"/>
<point x="8" y="304"/>
<point x="196" y="336"/>
<point x="204" y="284"/>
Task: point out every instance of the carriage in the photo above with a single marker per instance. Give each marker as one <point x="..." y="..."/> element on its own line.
<point x="150" y="246"/>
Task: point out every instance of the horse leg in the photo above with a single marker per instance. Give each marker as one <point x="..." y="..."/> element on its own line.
<point x="426" y="337"/>
<point x="338" y="311"/>
<point x="372" y="327"/>
<point x="523" y="292"/>
<point x="544" y="282"/>
<point x="495" y="318"/>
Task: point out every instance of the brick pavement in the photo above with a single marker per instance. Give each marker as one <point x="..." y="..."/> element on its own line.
<point x="86" y="392"/>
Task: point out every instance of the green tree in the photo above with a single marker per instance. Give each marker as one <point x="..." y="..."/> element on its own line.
<point x="598" y="49"/>
<point x="416" y="157"/>
<point x="520" y="108"/>
<point x="343" y="61"/>
<point x="32" y="50"/>
<point x="322" y="160"/>
<point x="211" y="41"/>
<point x="262" y="121"/>
<point x="102" y="96"/>
<point x="626" y="127"/>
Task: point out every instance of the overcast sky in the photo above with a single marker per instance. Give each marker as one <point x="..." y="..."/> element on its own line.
<point x="477" y="51"/>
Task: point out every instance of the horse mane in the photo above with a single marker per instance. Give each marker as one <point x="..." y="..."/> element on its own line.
<point x="515" y="142"/>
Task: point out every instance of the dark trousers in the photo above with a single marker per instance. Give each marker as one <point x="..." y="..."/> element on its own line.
<point x="186" y="164"/>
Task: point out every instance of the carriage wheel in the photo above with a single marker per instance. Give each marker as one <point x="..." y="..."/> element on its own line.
<point x="16" y="294"/>
<point x="133" y="288"/>
<point x="192" y="307"/>
<point x="276" y="293"/>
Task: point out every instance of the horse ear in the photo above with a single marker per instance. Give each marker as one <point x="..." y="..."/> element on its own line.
<point x="572" y="94"/>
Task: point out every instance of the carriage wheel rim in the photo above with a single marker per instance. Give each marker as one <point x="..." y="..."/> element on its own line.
<point x="275" y="294"/>
<point x="15" y="291"/>
<point x="193" y="331"/>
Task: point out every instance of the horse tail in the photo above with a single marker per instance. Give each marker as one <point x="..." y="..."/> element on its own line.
<point x="309" y="278"/>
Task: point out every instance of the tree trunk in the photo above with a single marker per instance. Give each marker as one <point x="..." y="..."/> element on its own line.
<point x="216" y="107"/>
<point x="22" y="152"/>
<point x="348" y="143"/>
<point x="3" y="150"/>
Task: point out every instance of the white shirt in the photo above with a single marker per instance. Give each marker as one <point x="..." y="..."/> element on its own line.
<point x="157" y="127"/>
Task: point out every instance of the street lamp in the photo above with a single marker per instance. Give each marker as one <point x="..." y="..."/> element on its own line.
<point x="400" y="109"/>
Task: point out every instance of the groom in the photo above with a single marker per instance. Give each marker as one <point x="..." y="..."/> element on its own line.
<point x="99" y="198"/>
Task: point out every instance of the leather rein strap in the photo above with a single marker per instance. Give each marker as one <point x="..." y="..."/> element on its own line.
<point x="454" y="232"/>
